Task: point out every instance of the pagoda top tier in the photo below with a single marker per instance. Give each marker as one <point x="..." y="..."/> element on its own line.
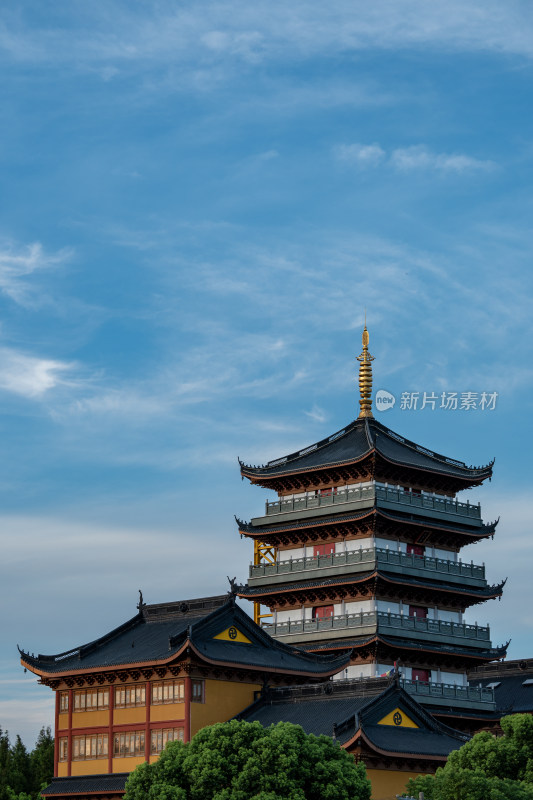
<point x="366" y="450"/>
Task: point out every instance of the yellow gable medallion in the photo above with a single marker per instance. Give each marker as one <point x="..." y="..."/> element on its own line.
<point x="232" y="634"/>
<point x="399" y="719"/>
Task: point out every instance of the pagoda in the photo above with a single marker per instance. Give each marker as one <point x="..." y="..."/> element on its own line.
<point x="362" y="551"/>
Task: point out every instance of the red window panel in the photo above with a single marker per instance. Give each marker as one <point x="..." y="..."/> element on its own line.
<point x="323" y="549"/>
<point x="420" y="675"/>
<point x="323" y="612"/>
<point x="418" y="611"/>
<point x="415" y="550"/>
<point x="328" y="492"/>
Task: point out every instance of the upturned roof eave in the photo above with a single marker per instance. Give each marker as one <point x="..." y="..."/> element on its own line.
<point x="267" y="471"/>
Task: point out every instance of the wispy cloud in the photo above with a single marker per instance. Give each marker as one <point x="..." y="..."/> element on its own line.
<point x="18" y="262"/>
<point x="29" y="375"/>
<point x="409" y="159"/>
<point x="118" y="37"/>
<point x="419" y="157"/>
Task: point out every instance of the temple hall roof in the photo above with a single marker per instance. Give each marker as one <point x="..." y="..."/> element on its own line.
<point x="87" y="784"/>
<point x="159" y="634"/>
<point x="346" y="710"/>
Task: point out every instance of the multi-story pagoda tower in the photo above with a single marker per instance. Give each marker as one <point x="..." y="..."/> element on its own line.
<point x="363" y="550"/>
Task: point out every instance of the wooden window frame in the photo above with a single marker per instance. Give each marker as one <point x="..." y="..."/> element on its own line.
<point x="174" y="690"/>
<point x="318" y="613"/>
<point x="63" y="749"/>
<point x="63" y="702"/>
<point x="197" y="697"/>
<point x="134" y="695"/>
<point x="161" y="736"/>
<point x="130" y="744"/>
<point x="101" y="695"/>
<point x="89" y="747"/>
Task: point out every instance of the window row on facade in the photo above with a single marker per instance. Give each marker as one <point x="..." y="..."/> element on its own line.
<point x="131" y="695"/>
<point x="129" y="743"/>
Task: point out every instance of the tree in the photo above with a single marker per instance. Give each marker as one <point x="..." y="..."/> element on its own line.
<point x="42" y="761"/>
<point x="244" y="761"/>
<point x="487" y="767"/>
<point x="19" y="768"/>
<point x="5" y="757"/>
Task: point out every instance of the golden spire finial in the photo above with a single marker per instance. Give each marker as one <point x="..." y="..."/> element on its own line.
<point x="365" y="377"/>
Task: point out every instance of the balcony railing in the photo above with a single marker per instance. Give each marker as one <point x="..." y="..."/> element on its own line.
<point x="365" y="493"/>
<point x="382" y="620"/>
<point x="443" y="692"/>
<point x="368" y="556"/>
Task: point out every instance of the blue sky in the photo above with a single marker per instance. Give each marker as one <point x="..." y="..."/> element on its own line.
<point x="198" y="203"/>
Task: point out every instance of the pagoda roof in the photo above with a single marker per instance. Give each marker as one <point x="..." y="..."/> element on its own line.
<point x="358" y="440"/>
<point x="347" y="712"/>
<point x="159" y="634"/>
<point x="479" y="593"/>
<point x="477" y="531"/>
<point x="397" y="642"/>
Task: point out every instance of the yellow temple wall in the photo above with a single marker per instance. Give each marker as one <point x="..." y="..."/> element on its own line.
<point x="387" y="783"/>
<point x="128" y="716"/>
<point x="126" y="764"/>
<point x="88" y="719"/>
<point x="170" y="711"/>
<point x="93" y="766"/>
<point x="223" y="699"/>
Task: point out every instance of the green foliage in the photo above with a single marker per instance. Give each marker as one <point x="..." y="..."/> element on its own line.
<point x="244" y="761"/>
<point x="487" y="767"/>
<point x="23" y="774"/>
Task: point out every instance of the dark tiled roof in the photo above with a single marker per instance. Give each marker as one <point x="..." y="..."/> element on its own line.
<point x="357" y="440"/>
<point x="411" y="740"/>
<point x="158" y="632"/>
<point x="354" y="711"/>
<point x="490" y="654"/>
<point x="483" y="593"/>
<point x="409" y="519"/>
<point x="512" y="696"/>
<point x="82" y="784"/>
<point x="317" y="715"/>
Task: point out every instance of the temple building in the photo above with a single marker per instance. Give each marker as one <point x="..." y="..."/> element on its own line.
<point x="162" y="675"/>
<point x="359" y="587"/>
<point x="361" y="551"/>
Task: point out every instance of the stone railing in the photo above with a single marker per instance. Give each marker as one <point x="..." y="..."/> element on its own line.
<point x="369" y="556"/>
<point x="381" y="619"/>
<point x="447" y="691"/>
<point x="365" y="493"/>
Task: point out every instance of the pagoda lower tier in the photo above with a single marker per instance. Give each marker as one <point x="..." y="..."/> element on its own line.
<point x="358" y="512"/>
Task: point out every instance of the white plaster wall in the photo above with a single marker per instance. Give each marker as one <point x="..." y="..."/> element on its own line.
<point x="356" y="606"/>
<point x="456" y="678"/>
<point x="447" y="555"/>
<point x="388" y="605"/>
<point x="356" y="671"/>
<point x="293" y="614"/>
<point x="296" y="552"/>
<point x="360" y="544"/>
<point x="448" y="616"/>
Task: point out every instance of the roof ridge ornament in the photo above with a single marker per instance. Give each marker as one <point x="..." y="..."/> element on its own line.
<point x="365" y="378"/>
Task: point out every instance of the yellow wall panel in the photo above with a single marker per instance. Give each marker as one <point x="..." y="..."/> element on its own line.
<point x="170" y="711"/>
<point x="126" y="716"/>
<point x="93" y="766"/>
<point x="90" y="719"/>
<point x="62" y="769"/>
<point x="223" y="699"/>
<point x="127" y="764"/>
<point x="63" y="722"/>
<point x="387" y="783"/>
